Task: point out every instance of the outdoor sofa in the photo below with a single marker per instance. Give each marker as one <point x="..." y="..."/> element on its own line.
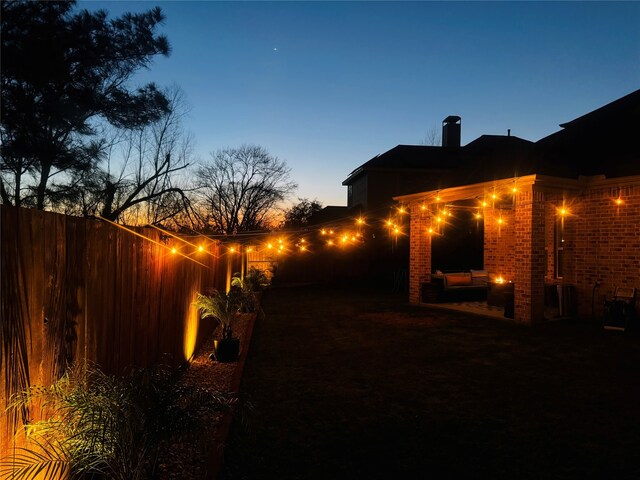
<point x="456" y="287"/>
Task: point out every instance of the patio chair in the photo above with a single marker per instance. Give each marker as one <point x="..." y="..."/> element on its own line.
<point x="619" y="312"/>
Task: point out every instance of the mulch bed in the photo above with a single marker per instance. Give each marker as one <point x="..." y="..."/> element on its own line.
<point x="188" y="460"/>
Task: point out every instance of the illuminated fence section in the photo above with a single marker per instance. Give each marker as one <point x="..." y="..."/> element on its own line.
<point x="79" y="289"/>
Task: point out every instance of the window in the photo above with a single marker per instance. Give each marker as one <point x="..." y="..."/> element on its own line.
<point x="559" y="248"/>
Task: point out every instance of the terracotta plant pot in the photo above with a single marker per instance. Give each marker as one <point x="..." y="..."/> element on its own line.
<point x="226" y="350"/>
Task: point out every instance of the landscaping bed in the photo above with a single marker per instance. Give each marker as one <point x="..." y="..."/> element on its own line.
<point x="189" y="461"/>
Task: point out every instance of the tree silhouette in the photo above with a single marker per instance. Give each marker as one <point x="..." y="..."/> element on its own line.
<point x="61" y="73"/>
<point x="239" y="188"/>
<point x="142" y="186"/>
<point x="301" y="213"/>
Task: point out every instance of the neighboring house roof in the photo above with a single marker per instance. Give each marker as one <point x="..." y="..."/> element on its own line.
<point x="409" y="157"/>
<point x="604" y="141"/>
<point x="330" y="213"/>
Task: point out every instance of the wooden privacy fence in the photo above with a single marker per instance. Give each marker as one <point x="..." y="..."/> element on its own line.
<point x="81" y="289"/>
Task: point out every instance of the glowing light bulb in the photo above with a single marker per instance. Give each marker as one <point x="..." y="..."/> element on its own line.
<point x="200" y="248"/>
<point x="173" y="251"/>
<point x="303" y="248"/>
<point x="484" y="204"/>
<point x="330" y="232"/>
<point x="353" y="239"/>
<point x="494" y="196"/>
<point x="232" y="250"/>
<point x="323" y="231"/>
<point x="439" y="219"/>
<point x="360" y="221"/>
<point x="423" y="207"/>
<point x="618" y="201"/>
<point x="269" y="246"/>
<point x="500" y="221"/>
<point x="249" y="250"/>
<point x="477" y="215"/>
<point x="563" y="212"/>
<point x="514" y="189"/>
<point x="438" y="198"/>
<point x="330" y="243"/>
<point x="450" y="214"/>
<point x="430" y="230"/>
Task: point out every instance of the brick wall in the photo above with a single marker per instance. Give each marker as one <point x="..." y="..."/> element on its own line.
<point x="420" y="258"/>
<point x="530" y="255"/>
<point x="603" y="243"/>
<point x="499" y="242"/>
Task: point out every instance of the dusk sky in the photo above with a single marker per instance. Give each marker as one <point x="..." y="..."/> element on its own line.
<point x="326" y="86"/>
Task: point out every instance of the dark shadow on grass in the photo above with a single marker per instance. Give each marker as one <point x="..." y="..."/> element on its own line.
<point x="349" y="382"/>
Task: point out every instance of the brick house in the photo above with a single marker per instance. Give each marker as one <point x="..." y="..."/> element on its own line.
<point x="571" y="216"/>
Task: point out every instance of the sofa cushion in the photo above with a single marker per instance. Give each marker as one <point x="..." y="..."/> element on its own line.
<point x="458" y="280"/>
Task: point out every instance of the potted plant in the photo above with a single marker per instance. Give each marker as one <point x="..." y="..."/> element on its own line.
<point x="224" y="308"/>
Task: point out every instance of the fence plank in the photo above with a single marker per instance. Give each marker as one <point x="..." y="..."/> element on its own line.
<point x="109" y="297"/>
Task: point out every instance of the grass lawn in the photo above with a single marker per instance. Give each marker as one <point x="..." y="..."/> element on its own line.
<point x="350" y="384"/>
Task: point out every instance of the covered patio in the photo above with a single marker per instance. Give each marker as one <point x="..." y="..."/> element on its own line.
<point x="576" y="237"/>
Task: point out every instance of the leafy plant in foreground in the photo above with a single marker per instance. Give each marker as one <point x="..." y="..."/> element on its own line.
<point x="220" y="306"/>
<point x="103" y="426"/>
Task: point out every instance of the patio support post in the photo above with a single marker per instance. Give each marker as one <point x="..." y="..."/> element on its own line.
<point x="420" y="248"/>
<point x="530" y="255"/>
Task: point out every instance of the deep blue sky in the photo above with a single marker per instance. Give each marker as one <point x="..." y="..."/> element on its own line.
<point x="351" y="80"/>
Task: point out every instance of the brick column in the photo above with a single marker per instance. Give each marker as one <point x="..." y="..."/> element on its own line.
<point x="420" y="252"/>
<point x="529" y="255"/>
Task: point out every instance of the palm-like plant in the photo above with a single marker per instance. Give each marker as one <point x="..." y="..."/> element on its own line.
<point x="221" y="306"/>
<point x="102" y="426"/>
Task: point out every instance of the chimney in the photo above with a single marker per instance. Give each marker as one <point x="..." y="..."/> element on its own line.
<point x="451" y="131"/>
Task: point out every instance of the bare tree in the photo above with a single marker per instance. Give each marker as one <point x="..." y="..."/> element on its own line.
<point x="433" y="137"/>
<point x="140" y="182"/>
<point x="240" y="188"/>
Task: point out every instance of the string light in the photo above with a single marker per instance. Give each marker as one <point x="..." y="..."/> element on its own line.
<point x="200" y="248"/>
<point x="619" y="201"/>
<point x="174" y="251"/>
